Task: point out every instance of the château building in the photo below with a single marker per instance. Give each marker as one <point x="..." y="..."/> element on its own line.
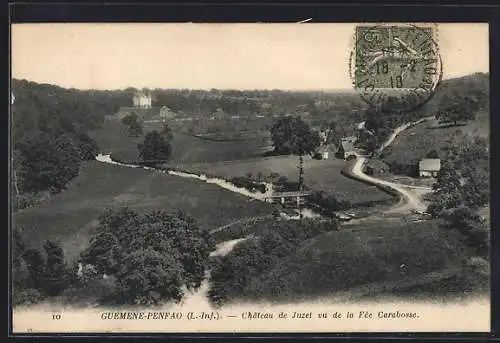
<point x="142" y="100"/>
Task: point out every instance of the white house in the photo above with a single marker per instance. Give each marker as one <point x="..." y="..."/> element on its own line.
<point x="429" y="167"/>
<point x="142" y="100"/>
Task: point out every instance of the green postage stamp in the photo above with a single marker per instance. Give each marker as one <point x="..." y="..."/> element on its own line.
<point x="396" y="66"/>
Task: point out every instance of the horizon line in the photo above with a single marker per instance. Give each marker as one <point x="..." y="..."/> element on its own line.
<point x="323" y="90"/>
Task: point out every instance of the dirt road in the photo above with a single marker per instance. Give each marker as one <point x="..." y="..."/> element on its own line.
<point x="410" y="195"/>
<point x="410" y="200"/>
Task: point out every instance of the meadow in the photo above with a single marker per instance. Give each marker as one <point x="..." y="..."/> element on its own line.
<point x="71" y="215"/>
<point x="319" y="175"/>
<point x="229" y="159"/>
<point x="413" y="144"/>
<point x="113" y="138"/>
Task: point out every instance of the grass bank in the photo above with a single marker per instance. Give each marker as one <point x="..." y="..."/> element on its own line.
<point x="71" y="215"/>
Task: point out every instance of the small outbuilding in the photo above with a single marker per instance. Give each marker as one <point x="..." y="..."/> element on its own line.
<point x="429" y="167"/>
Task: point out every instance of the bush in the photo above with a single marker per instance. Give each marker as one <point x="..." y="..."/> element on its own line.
<point x="403" y="169"/>
<point x="283" y="184"/>
<point x="432" y="154"/>
<point x="249" y="184"/>
<point x="24" y="201"/>
<point x="99" y="290"/>
<point x="317" y="156"/>
<point x="471" y="226"/>
<point x="26" y="297"/>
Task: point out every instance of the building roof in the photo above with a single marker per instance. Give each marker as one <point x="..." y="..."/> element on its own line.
<point x="430" y="164"/>
<point x="348" y="143"/>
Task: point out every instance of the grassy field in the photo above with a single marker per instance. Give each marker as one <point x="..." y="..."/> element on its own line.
<point x="71" y="215"/>
<point x="113" y="137"/>
<point x="320" y="175"/>
<point x="413" y="144"/>
<point x="368" y="254"/>
<point x="231" y="159"/>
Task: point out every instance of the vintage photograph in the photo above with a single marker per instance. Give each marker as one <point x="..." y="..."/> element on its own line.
<point x="250" y="177"/>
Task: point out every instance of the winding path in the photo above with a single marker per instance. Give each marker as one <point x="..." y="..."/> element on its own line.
<point x="409" y="199"/>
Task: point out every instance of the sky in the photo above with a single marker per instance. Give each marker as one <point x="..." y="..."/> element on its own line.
<point x="302" y="56"/>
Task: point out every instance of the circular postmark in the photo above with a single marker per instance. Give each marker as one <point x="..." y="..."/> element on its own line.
<point x="395" y="67"/>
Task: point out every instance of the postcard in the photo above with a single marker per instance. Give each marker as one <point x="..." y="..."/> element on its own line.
<point x="245" y="178"/>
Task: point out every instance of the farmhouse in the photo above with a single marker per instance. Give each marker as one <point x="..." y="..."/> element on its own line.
<point x="347" y="145"/>
<point x="166" y="113"/>
<point x="429" y="167"/>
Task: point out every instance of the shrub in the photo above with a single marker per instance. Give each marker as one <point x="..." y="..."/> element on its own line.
<point x="432" y="154"/>
<point x="249" y="184"/>
<point x="25" y="297"/>
<point x="317" y="156"/>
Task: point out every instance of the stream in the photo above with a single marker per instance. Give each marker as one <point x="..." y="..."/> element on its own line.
<point x="306" y="212"/>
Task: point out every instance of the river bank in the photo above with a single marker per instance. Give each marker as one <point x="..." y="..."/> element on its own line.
<point x="305" y="212"/>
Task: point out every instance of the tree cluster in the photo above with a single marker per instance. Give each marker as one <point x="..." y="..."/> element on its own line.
<point x="452" y="190"/>
<point x="151" y="256"/>
<point x="37" y="274"/>
<point x="156" y="146"/>
<point x="46" y="162"/>
<point x="457" y="109"/>
<point x="49" y="132"/>
<point x="134" y="126"/>
<point x="327" y="204"/>
<point x="473" y="228"/>
<point x="456" y="199"/>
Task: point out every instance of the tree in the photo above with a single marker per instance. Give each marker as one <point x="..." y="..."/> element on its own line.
<point x="446" y="190"/>
<point x="372" y="143"/>
<point x="48" y="163"/>
<point x="129" y="119"/>
<point x="447" y="178"/>
<point x="87" y="147"/>
<point x="69" y="153"/>
<point x="20" y="273"/>
<point x="476" y="191"/>
<point x="340" y="152"/>
<point x="104" y="253"/>
<point x="135" y="129"/>
<point x="293" y="135"/>
<point x="471" y="226"/>
<point x="36" y="268"/>
<point x="147" y="277"/>
<point x="42" y="114"/>
<point x="56" y="274"/>
<point x="455" y="112"/>
<point x="151" y="255"/>
<point x="155" y="147"/>
<point x="432" y="154"/>
<point x="167" y="133"/>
